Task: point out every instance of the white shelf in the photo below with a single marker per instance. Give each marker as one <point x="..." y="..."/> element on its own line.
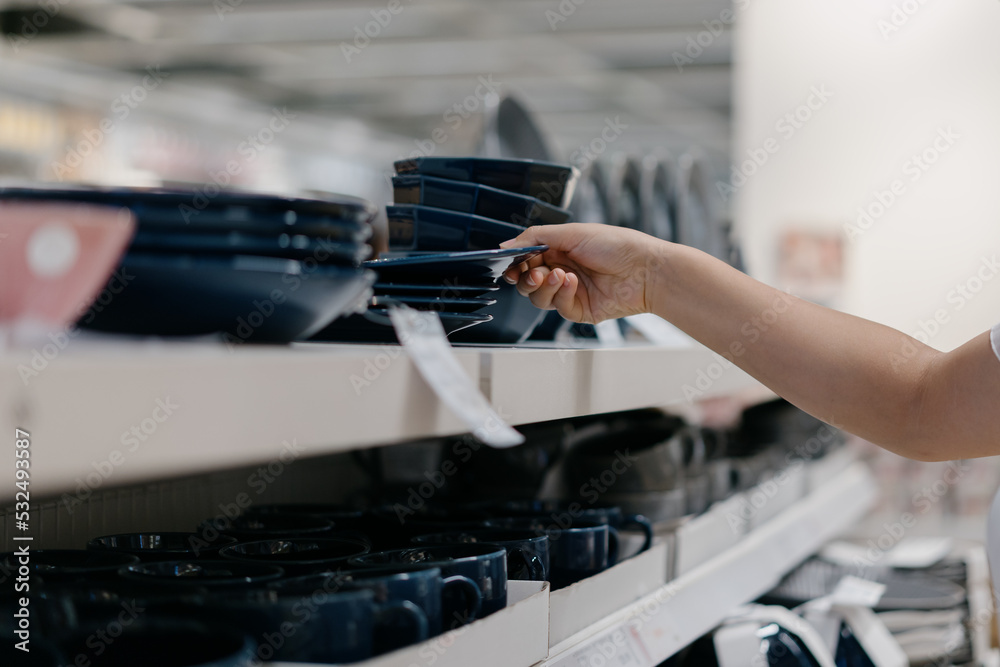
<point x="654" y="628"/>
<point x="239" y="406"/>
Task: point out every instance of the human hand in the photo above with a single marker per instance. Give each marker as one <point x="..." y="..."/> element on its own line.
<point x="590" y="272"/>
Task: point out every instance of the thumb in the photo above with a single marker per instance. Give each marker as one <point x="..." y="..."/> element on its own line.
<point x="531" y="236"/>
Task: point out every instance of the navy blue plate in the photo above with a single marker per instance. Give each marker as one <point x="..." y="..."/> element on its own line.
<point x="245" y="298"/>
<point x="441" y="305"/>
<point x="479" y="265"/>
<point x="434" y="290"/>
<point x="375" y="327"/>
<point x="339" y="217"/>
<point x="514" y="318"/>
<point x="424" y="228"/>
<point x="476" y="199"/>
<point x="286" y="246"/>
<point x="549" y="182"/>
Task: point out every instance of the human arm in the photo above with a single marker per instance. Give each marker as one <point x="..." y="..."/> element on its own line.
<point x="861" y="376"/>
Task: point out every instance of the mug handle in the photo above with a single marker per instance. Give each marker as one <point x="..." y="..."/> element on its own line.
<point x="530" y="563"/>
<point x="614" y="542"/>
<point x="470" y="592"/>
<point x="645" y="526"/>
<point x="413" y="619"/>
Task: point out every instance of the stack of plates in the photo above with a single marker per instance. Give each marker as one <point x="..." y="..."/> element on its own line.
<point x="460" y="286"/>
<point x="460" y="205"/>
<point x="251" y="267"/>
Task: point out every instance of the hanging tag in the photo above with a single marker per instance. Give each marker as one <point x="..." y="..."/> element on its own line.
<point x="422" y="336"/>
<point x="609" y="332"/>
<point x="657" y="330"/>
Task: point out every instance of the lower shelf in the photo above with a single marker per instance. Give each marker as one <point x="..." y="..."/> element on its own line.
<point x="660" y="624"/>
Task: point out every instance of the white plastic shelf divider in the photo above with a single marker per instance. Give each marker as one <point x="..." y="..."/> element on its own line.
<point x="538" y="384"/>
<point x="654" y="628"/>
<point x="198" y="408"/>
<point x="238" y="407"/>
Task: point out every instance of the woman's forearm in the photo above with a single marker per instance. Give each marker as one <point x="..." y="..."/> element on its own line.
<point x="847" y="371"/>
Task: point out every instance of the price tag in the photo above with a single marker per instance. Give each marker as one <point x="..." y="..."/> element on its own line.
<point x="657" y="330"/>
<point x="423" y="338"/>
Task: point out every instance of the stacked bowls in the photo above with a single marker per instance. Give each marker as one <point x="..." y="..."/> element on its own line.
<point x="250" y="267"/>
<point x="446" y="210"/>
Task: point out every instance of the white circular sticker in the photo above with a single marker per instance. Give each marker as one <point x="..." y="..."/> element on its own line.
<point x="53" y="250"/>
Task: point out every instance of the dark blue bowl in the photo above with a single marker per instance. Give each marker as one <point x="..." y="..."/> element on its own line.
<point x="374" y="326"/>
<point x="286" y="246"/>
<point x="424" y="228"/>
<point x="549" y="182"/>
<point x="441" y="305"/>
<point x="480" y="267"/>
<point x="260" y="299"/>
<point x="337" y="217"/>
<point x="476" y="199"/>
<point x="436" y="290"/>
<point x="514" y="318"/>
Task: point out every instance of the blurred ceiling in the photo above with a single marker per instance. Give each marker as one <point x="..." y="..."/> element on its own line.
<point x="576" y="63"/>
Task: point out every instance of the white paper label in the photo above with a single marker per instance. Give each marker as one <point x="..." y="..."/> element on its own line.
<point x="657" y="330"/>
<point x="422" y="336"/>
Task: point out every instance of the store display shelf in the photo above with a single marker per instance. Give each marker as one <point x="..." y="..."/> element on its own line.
<point x="128" y="412"/>
<point x="652" y="629"/>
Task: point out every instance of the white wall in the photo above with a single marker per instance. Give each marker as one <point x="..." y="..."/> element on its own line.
<point x="892" y="92"/>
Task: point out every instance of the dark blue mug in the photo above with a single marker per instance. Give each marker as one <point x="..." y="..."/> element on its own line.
<point x="151" y="547"/>
<point x="252" y="527"/>
<point x="65" y="565"/>
<point x="576" y="551"/>
<point x="161" y="640"/>
<point x="484" y="564"/>
<point x="298" y="555"/>
<point x="527" y="552"/>
<point x="566" y="511"/>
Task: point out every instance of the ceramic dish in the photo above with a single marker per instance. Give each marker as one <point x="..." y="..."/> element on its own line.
<point x="245" y="298"/>
<point x="658" y="192"/>
<point x="286" y="246"/>
<point x="511" y="131"/>
<point x="549" y="182"/>
<point x="441" y="305"/>
<point x="624" y="194"/>
<point x="339" y="218"/>
<point x="480" y="266"/>
<point x="435" y="290"/>
<point x="424" y="228"/>
<point x="514" y="318"/>
<point x="374" y="326"/>
<point x="476" y="199"/>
